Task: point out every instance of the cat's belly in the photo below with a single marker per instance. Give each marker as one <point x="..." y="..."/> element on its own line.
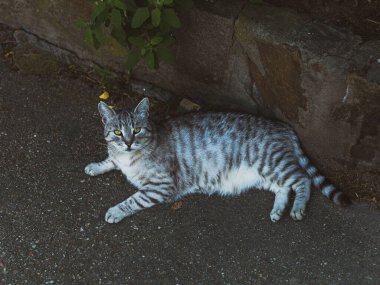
<point x="239" y="180"/>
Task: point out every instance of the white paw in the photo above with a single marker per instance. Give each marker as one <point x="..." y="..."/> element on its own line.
<point x="114" y="215"/>
<point x="276" y="214"/>
<point x="298" y="214"/>
<point x="92" y="169"/>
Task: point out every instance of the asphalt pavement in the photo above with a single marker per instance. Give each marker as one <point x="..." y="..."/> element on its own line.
<point x="52" y="228"/>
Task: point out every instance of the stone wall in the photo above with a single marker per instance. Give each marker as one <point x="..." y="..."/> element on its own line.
<point x="323" y="80"/>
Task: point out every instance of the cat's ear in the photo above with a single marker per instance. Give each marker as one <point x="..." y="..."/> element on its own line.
<point x="106" y="112"/>
<point x="142" y="108"/>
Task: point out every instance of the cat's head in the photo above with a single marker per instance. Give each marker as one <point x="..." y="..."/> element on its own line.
<point x="127" y="131"/>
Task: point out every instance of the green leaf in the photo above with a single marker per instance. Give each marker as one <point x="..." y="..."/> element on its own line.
<point x="165" y="54"/>
<point x="120" y="4"/>
<point x="156" y="17"/>
<point x="168" y="2"/>
<point x="81" y="23"/>
<point x="99" y="35"/>
<point x="131" y="5"/>
<point x="148" y="26"/>
<point x="165" y="28"/>
<point x="88" y="37"/>
<point x="96" y="43"/>
<point x="187" y="4"/>
<point x="156" y="40"/>
<point x="170" y="17"/>
<point x="116" y="19"/>
<point x="137" y="41"/>
<point x="133" y="59"/>
<point x="99" y="9"/>
<point x="149" y="59"/>
<point x="101" y="18"/>
<point x="119" y="35"/>
<point x="168" y="41"/>
<point x="140" y="16"/>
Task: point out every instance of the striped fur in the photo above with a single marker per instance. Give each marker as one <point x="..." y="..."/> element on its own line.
<point x="222" y="153"/>
<point x="322" y="183"/>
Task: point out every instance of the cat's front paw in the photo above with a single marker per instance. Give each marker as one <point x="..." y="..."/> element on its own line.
<point x="114" y="215"/>
<point x="92" y="169"/>
<point x="276" y="214"/>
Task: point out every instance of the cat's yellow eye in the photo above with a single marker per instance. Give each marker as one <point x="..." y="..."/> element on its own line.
<point x="117" y="132"/>
<point x="137" y="130"/>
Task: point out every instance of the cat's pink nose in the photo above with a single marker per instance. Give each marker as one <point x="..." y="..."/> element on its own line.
<point x="128" y="143"/>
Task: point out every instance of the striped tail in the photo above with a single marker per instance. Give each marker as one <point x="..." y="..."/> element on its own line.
<point x="322" y="183"/>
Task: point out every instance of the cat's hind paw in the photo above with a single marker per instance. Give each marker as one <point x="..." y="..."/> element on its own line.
<point x="114" y="215"/>
<point x="298" y="214"/>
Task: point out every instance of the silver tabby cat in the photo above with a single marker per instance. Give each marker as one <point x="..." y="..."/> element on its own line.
<point x="209" y="153"/>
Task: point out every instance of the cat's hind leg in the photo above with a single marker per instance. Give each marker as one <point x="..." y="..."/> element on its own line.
<point x="280" y="202"/>
<point x="302" y="188"/>
<point x="139" y="201"/>
<point x="96" y="168"/>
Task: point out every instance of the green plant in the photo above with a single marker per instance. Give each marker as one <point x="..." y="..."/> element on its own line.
<point x="145" y="27"/>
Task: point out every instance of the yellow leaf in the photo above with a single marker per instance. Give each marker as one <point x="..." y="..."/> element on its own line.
<point x="110" y="106"/>
<point x="177" y="205"/>
<point x="104" y="96"/>
<point x="9" y="54"/>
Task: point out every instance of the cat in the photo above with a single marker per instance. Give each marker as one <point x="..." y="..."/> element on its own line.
<point x="224" y="153"/>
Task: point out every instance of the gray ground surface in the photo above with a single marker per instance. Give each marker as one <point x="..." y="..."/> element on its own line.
<point x="52" y="228"/>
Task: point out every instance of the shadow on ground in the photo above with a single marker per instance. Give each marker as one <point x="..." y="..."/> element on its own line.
<point x="52" y="228"/>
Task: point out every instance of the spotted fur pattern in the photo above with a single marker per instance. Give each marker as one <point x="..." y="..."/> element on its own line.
<point x="224" y="153"/>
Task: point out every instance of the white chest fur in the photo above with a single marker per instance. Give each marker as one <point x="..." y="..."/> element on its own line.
<point x="133" y="171"/>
